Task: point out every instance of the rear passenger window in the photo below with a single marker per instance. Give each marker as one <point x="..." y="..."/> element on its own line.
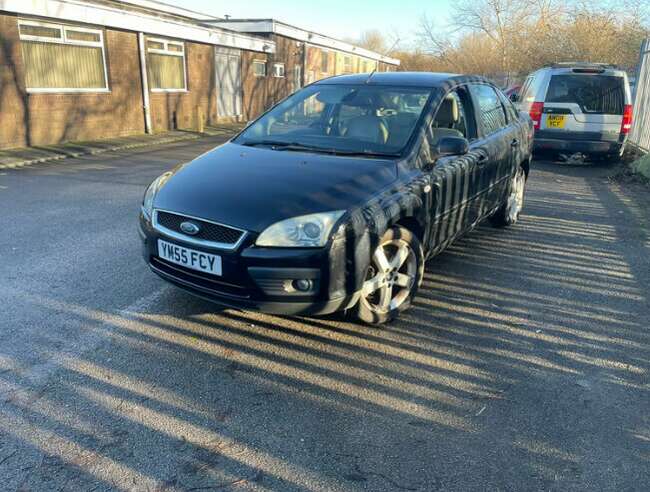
<point x="511" y="110"/>
<point x="595" y="94"/>
<point x="491" y="114"/>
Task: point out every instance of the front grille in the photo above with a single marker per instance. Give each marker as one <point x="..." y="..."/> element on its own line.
<point x="209" y="231"/>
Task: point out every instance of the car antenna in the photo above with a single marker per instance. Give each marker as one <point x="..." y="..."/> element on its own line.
<point x="370" y="76"/>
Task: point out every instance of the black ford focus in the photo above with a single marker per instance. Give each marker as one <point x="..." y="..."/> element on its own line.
<point x="334" y="198"/>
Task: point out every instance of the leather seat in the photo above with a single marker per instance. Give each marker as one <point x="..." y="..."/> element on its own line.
<point x="368" y="128"/>
<point x="445" y="120"/>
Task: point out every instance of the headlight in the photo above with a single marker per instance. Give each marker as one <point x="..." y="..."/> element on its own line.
<point x="150" y="194"/>
<point x="307" y="231"/>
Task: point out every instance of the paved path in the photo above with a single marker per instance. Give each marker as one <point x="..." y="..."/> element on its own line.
<point x="523" y="366"/>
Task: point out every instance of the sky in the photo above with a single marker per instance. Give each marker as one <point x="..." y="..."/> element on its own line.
<point x="337" y="18"/>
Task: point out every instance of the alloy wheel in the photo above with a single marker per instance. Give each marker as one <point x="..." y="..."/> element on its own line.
<point x="391" y="276"/>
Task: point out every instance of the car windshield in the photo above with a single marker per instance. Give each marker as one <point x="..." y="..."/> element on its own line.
<point x="341" y="119"/>
<point x="599" y="94"/>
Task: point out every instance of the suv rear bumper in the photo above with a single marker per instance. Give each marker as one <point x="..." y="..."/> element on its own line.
<point x="586" y="142"/>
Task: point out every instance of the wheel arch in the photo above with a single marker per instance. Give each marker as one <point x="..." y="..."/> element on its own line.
<point x="413" y="224"/>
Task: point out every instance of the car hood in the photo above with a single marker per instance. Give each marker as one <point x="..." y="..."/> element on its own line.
<point x="252" y="188"/>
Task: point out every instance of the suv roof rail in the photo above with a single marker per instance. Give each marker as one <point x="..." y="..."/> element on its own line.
<point x="581" y="65"/>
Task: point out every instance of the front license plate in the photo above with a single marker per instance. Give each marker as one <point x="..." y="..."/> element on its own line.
<point x="555" y="120"/>
<point x="196" y="260"/>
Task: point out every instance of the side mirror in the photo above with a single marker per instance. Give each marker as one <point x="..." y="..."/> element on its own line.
<point x="514" y="97"/>
<point x="452" y="146"/>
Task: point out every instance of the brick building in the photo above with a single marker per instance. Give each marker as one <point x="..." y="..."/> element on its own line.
<point x="89" y="69"/>
<point x="300" y="58"/>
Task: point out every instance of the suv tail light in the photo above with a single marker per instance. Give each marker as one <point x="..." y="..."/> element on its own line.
<point x="627" y="119"/>
<point x="536" y="110"/>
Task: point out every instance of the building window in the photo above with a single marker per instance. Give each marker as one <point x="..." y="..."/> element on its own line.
<point x="60" y="58"/>
<point x="259" y="68"/>
<point x="347" y="64"/>
<point x="324" y="61"/>
<point x="278" y="70"/>
<point x="166" y="65"/>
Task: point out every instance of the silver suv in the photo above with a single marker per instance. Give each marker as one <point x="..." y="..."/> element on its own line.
<point x="579" y="108"/>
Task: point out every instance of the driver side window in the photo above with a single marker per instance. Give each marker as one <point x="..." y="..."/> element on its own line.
<point x="453" y="118"/>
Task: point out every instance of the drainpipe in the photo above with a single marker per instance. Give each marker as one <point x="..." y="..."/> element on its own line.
<point x="145" y="84"/>
<point x="304" y="65"/>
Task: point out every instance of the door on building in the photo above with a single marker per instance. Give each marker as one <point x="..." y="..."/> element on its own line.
<point x="229" y="84"/>
<point x="297" y="78"/>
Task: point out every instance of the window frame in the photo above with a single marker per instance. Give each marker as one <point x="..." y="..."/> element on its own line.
<point x="348" y="62"/>
<point x="325" y="57"/>
<point x="165" y="51"/>
<point x="63" y="39"/>
<point x="284" y="70"/>
<point x="258" y="62"/>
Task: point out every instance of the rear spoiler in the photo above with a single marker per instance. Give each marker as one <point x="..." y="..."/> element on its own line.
<point x="588" y="70"/>
<point x="585" y="67"/>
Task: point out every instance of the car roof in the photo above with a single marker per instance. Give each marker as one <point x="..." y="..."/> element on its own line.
<point x="405" y="79"/>
<point x="578" y="68"/>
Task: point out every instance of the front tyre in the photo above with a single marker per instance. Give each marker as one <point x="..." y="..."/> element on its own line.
<point x="392" y="278"/>
<point x="510" y="211"/>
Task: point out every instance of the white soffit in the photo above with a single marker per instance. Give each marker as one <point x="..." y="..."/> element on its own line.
<point x="169" y="9"/>
<point x="286" y="30"/>
<point x="102" y="15"/>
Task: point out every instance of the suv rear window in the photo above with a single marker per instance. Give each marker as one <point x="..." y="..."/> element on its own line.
<point x="595" y="94"/>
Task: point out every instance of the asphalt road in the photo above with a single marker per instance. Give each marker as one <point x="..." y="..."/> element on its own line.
<point x="523" y="366"/>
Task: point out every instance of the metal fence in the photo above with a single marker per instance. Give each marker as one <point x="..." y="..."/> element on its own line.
<point x="640" y="133"/>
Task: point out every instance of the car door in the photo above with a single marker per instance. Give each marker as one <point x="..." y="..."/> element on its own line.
<point x="454" y="179"/>
<point x="496" y="141"/>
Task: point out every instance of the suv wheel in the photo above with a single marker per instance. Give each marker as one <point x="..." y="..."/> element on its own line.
<point x="392" y="278"/>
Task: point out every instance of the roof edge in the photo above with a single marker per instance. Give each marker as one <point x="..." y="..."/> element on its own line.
<point x="87" y="12"/>
<point x="269" y="25"/>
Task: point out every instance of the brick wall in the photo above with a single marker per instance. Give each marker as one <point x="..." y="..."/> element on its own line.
<point x="171" y="110"/>
<point x="41" y="119"/>
<point x="255" y="89"/>
<point x="290" y="52"/>
<point x="314" y="63"/>
<point x="260" y="93"/>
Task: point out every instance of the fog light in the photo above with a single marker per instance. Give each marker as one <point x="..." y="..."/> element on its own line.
<point x="302" y="285"/>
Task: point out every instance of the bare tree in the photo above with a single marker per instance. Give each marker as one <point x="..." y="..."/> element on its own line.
<point x="499" y="20"/>
<point x="506" y="39"/>
<point x="373" y="40"/>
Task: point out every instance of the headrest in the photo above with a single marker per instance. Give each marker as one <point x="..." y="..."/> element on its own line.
<point x="448" y="113"/>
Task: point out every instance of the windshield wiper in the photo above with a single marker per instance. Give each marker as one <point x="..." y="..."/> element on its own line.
<point x="285" y="145"/>
<point x="298" y="147"/>
<point x="366" y="153"/>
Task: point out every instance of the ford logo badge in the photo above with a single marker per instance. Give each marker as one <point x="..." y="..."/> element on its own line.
<point x="190" y="228"/>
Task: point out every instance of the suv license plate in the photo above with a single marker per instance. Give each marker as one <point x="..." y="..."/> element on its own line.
<point x="555" y="120"/>
<point x="189" y="258"/>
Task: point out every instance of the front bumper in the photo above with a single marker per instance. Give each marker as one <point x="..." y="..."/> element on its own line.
<point x="259" y="279"/>
<point x="574" y="142"/>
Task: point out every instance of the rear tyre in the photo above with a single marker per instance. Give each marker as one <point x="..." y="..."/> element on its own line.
<point x="510" y="211"/>
<point x="392" y="278"/>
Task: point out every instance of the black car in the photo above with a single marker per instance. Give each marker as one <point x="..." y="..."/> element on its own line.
<point x="334" y="198"/>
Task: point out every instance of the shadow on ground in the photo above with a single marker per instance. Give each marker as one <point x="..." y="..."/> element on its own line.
<point x="523" y="365"/>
